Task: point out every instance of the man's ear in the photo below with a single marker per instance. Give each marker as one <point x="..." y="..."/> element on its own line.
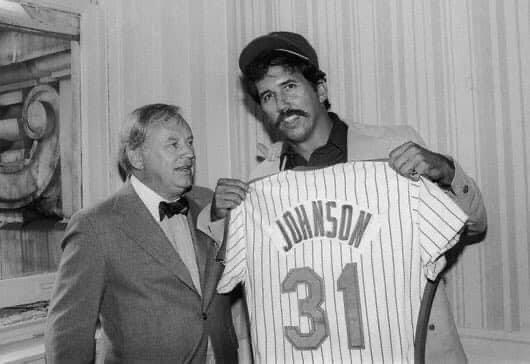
<point x="322" y="91"/>
<point x="135" y="158"/>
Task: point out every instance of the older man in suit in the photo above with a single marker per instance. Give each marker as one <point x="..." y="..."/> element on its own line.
<point x="136" y="263"/>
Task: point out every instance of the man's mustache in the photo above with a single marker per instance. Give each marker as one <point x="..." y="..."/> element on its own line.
<point x="287" y="113"/>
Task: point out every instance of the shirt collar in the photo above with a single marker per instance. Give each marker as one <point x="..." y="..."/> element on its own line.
<point x="150" y="198"/>
<point x="337" y="137"/>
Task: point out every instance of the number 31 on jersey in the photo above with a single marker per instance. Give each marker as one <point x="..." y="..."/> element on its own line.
<point x="311" y="307"/>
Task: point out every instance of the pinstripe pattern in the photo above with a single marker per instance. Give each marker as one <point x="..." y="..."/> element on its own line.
<point x="317" y="226"/>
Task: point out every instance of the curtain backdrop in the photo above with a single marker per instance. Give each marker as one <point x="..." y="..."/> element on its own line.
<point x="456" y="70"/>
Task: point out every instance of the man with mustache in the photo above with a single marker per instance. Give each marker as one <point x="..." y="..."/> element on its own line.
<point x="281" y="73"/>
<point x="136" y="264"/>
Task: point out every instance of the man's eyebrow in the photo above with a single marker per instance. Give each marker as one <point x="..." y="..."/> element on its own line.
<point x="263" y="93"/>
<point x="172" y="138"/>
<point x="289" y="80"/>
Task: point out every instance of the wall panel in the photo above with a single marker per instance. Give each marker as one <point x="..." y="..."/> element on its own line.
<point x="173" y="52"/>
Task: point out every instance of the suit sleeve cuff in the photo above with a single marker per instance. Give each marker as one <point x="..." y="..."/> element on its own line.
<point x="461" y="184"/>
<point x="466" y="194"/>
<point x="214" y="229"/>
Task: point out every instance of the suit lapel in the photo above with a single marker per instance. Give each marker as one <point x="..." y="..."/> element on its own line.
<point x="139" y="225"/>
<point x="205" y="250"/>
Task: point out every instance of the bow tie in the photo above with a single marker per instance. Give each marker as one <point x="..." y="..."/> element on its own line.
<point x="168" y="209"/>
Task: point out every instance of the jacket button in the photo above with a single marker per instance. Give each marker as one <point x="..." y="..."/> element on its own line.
<point x="466" y="189"/>
<point x="204" y="316"/>
<point x="431" y="327"/>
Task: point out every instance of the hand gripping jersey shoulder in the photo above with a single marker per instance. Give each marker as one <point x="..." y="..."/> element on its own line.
<point x="335" y="260"/>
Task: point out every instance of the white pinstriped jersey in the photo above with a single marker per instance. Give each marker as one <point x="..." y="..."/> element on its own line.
<point x="334" y="261"/>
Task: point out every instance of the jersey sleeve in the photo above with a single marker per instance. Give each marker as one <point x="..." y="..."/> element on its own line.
<point x="236" y="251"/>
<point x="440" y="223"/>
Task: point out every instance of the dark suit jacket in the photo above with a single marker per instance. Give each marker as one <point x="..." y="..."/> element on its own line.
<point x="118" y="266"/>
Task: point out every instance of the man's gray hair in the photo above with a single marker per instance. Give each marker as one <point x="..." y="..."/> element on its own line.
<point x="135" y="129"/>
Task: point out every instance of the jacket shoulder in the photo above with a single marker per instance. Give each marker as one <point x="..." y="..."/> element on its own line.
<point x="396" y="132"/>
<point x="103" y="212"/>
<point x="377" y="141"/>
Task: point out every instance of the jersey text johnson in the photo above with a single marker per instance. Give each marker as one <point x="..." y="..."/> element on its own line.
<point x="331" y="219"/>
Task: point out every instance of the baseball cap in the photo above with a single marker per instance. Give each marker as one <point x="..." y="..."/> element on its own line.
<point x="288" y="42"/>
